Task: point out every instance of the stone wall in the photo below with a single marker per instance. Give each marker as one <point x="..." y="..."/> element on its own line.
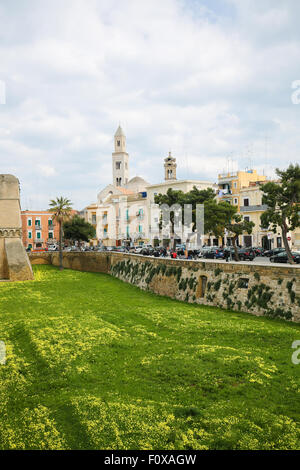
<point x="89" y="261"/>
<point x="261" y="290"/>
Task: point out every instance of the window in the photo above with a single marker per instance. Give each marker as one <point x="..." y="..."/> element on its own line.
<point x="235" y="185"/>
<point x="29" y="234"/>
<point x="140" y="228"/>
<point x="29" y="222"/>
<point x="246" y="202"/>
<point x="235" y="201"/>
<point x="118" y="165"/>
<point x="94" y="218"/>
<point x="50" y="235"/>
<point x="247" y="218"/>
<point x="203" y="282"/>
<point x="37" y="222"/>
<point x="127" y="214"/>
<point x="38" y="235"/>
<point x="118" y="143"/>
<point x="50" y="222"/>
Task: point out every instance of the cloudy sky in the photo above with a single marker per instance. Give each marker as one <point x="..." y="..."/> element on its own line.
<point x="210" y="80"/>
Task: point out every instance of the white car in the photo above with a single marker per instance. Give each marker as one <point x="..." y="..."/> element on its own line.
<point x="52" y="247"/>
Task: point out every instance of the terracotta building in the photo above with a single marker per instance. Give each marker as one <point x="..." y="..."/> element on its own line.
<point x="38" y="229"/>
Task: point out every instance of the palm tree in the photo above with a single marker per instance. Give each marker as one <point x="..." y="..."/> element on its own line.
<point x="61" y="209"/>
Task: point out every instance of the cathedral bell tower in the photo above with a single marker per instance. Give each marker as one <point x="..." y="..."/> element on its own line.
<point x="120" y="160"/>
<point x="170" y="168"/>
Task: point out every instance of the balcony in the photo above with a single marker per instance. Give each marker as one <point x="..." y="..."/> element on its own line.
<point x="260" y="208"/>
<point x="39" y="240"/>
<point x="227" y="175"/>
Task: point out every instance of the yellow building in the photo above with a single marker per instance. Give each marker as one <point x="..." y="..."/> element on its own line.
<point x="230" y="185"/>
<point x="247" y="196"/>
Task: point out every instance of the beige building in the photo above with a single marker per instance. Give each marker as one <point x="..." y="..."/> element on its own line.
<point x="230" y="185"/>
<point x="243" y="189"/>
<point x="125" y="212"/>
<point x="120" y="213"/>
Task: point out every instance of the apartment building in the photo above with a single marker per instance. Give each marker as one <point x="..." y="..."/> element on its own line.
<point x="38" y="229"/>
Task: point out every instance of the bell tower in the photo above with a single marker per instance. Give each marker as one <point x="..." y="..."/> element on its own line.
<point x="170" y="168"/>
<point x="120" y="159"/>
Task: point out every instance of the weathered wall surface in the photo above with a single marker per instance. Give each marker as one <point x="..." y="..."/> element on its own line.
<point x="14" y="262"/>
<point x="261" y="290"/>
<point x="90" y="262"/>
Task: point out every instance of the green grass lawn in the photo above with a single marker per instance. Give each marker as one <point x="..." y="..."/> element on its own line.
<point x="95" y="363"/>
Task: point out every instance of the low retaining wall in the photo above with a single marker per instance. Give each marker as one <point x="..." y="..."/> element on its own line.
<point x="261" y="290"/>
<point x="87" y="261"/>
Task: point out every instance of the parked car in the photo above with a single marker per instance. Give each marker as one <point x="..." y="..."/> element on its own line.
<point x="246" y="254"/>
<point x="52" y="248"/>
<point x="212" y="253"/>
<point x="282" y="257"/>
<point x="159" y="251"/>
<point x="259" y="251"/>
<point x="147" y="251"/>
<point x="121" y="249"/>
<point x="100" y="249"/>
<point x="274" y="252"/>
<point x="111" y="248"/>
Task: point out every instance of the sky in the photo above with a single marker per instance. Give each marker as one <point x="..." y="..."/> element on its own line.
<point x="209" y="80"/>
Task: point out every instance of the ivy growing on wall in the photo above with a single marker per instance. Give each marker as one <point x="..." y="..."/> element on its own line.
<point x="258" y="297"/>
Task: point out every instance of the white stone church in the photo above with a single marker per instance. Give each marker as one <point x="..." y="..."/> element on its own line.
<point x="125" y="212"/>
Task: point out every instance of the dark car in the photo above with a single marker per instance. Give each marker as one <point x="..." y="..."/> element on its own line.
<point x="274" y="252"/>
<point x="259" y="251"/>
<point x="246" y="254"/>
<point x="282" y="257"/>
<point x="159" y="251"/>
<point x="147" y="251"/>
<point x="212" y="253"/>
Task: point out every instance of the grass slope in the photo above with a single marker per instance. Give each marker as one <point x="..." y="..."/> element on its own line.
<point x="95" y="363"/>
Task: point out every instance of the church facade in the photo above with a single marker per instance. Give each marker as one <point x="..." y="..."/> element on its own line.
<point x="125" y="212"/>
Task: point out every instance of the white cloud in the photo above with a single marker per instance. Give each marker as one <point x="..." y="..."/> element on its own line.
<point x="46" y="170"/>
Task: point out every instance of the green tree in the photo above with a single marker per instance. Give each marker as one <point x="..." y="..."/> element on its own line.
<point x="193" y="197"/>
<point x="237" y="226"/>
<point x="61" y="209"/>
<point x="171" y="198"/>
<point x="283" y="201"/>
<point x="217" y="216"/>
<point x="77" y="229"/>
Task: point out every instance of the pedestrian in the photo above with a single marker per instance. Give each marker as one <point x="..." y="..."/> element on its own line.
<point x="227" y="255"/>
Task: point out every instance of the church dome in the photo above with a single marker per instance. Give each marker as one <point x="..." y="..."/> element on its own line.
<point x="137" y="184"/>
